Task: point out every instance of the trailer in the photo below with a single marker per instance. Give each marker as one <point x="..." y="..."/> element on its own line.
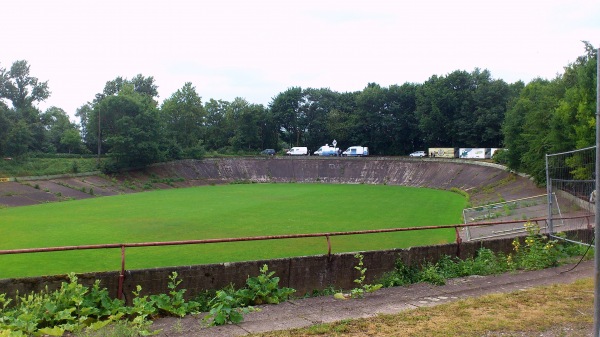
<point x="356" y="151"/>
<point x="463" y="152"/>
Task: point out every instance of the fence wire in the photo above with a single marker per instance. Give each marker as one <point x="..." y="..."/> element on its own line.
<point x="571" y="177"/>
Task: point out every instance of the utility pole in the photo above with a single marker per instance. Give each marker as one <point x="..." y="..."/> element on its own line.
<point x="597" y="215"/>
<point x="99" y="139"/>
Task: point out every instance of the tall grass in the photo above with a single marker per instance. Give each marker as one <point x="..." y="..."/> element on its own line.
<point x="33" y="166"/>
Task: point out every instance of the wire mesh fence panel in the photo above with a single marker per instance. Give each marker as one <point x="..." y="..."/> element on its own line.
<point x="518" y="211"/>
<point x="571" y="177"/>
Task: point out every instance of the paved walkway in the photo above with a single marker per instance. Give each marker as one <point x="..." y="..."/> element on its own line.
<point x="306" y="312"/>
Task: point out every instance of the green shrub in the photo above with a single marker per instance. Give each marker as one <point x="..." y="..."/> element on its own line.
<point x="501" y="157"/>
<point x="226" y="308"/>
<point x="537" y="252"/>
<point x="174" y="303"/>
<point x="230" y="305"/>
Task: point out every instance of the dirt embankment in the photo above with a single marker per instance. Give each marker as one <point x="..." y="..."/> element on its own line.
<point x="484" y="183"/>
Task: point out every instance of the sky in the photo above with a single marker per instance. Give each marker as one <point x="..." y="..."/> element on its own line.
<point x="257" y="49"/>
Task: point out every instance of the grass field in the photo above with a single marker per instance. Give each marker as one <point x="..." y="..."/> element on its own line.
<point x="223" y="211"/>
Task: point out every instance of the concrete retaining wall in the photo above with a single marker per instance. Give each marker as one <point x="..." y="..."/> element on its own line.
<point x="304" y="274"/>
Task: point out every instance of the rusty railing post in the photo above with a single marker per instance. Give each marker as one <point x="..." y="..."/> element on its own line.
<point x="122" y="275"/>
<point x="458" y="241"/>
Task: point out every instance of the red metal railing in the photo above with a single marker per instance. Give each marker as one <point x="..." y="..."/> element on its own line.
<point x="122" y="246"/>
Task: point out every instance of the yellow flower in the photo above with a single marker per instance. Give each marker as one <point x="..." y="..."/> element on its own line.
<point x="516" y="245"/>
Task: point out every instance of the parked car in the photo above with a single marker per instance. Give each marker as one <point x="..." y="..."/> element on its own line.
<point x="417" y="154"/>
<point x="268" y="152"/>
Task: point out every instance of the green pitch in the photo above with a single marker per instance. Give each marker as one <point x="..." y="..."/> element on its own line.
<point x="225" y="211"/>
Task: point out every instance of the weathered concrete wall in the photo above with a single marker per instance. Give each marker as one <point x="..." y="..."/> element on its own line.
<point x="304" y="274"/>
<point x="467" y="175"/>
<point x="475" y="177"/>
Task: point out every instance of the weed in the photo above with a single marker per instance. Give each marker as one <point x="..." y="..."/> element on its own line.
<point x="536" y="252"/>
<point x="241" y="182"/>
<point x="177" y="327"/>
<point x="328" y="291"/>
<point x="362" y="288"/>
<point x="174" y="303"/>
<point x="263" y="289"/>
<point x="230" y="305"/>
<point x="225" y="308"/>
<point x="461" y="192"/>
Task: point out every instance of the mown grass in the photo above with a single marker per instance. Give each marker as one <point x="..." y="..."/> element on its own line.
<point x="557" y="310"/>
<point x="221" y="212"/>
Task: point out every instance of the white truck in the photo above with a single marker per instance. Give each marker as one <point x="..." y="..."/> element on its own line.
<point x="327" y="150"/>
<point x="298" y="151"/>
<point x="356" y="151"/>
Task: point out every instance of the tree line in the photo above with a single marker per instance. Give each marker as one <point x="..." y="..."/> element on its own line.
<point x="461" y="109"/>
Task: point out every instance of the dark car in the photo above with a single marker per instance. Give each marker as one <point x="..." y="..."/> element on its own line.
<point x="268" y="152"/>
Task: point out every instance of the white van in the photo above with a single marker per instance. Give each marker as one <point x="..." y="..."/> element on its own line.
<point x="327" y="150"/>
<point x="298" y="151"/>
<point x="356" y="151"/>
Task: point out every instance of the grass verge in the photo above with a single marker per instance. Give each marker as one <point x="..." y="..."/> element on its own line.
<point x="557" y="310"/>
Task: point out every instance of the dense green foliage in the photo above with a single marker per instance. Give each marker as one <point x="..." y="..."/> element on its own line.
<point x="551" y="116"/>
<point x="534" y="252"/>
<point x="222" y="211"/>
<point x="126" y="123"/>
<point x="460" y="109"/>
<point x="76" y="308"/>
<point x="37" y="165"/>
<point x="229" y="305"/>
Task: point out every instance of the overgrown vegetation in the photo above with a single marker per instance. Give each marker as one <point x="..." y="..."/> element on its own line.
<point x="535" y="252"/>
<point x="47" y="165"/>
<point x="77" y="308"/>
<point x="83" y="310"/>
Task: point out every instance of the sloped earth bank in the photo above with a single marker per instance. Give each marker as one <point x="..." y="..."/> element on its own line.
<point x="485" y="182"/>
